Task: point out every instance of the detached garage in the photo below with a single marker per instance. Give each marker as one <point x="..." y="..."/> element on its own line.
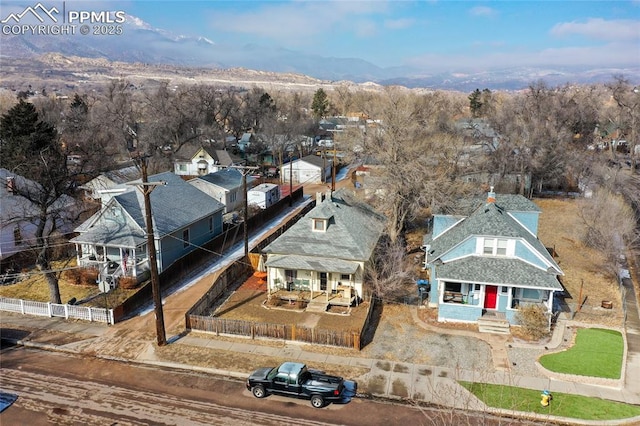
<point x="309" y="169"/>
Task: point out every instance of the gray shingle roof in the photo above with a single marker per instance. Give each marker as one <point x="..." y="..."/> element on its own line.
<point x="488" y="220"/>
<point x="509" y="202"/>
<point x="174" y="206"/>
<point x="352" y="234"/>
<point x="312" y="263"/>
<point x="500" y="271"/>
<point x="226" y="178"/>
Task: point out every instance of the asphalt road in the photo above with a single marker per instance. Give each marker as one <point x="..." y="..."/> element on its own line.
<point x="55" y="388"/>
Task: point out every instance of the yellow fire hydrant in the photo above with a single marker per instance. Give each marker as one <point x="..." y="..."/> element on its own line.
<point x="546" y="398"/>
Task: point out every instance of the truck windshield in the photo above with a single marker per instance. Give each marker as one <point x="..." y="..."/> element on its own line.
<point x="273" y="373"/>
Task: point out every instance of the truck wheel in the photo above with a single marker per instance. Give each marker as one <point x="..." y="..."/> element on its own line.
<point x="258" y="391"/>
<point x="317" y="401"/>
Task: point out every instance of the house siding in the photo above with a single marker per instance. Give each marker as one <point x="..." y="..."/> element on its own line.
<point x="173" y="246"/>
<point x="466" y="248"/>
<point x="456" y="312"/>
<point x="442" y="223"/>
<point x="528" y="219"/>
<point x="524" y="253"/>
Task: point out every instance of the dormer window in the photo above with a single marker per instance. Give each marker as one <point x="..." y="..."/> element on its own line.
<point x="495" y="246"/>
<point x="319" y="225"/>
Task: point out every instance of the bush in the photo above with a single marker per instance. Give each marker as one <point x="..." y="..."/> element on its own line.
<point x="82" y="276"/>
<point x="533" y="321"/>
<point x="128" y="282"/>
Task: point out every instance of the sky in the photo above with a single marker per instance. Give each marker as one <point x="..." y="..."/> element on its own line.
<point x="466" y="35"/>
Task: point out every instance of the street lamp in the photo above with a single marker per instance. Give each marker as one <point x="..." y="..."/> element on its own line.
<point x="146" y="187"/>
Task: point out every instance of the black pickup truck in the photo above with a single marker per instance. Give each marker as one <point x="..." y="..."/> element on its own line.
<point x="296" y="380"/>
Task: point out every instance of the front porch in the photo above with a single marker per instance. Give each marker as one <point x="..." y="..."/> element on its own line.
<point x="316" y="298"/>
<point x="114" y="263"/>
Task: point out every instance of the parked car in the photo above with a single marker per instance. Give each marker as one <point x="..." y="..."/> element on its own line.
<point x="294" y="379"/>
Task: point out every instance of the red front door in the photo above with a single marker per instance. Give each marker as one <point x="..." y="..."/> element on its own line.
<point x="490" y="295"/>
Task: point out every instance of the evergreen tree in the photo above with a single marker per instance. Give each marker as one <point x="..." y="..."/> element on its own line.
<point x="320" y="104"/>
<point x="30" y="148"/>
<point x="475" y="103"/>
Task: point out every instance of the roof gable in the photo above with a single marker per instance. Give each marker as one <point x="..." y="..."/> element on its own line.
<point x="165" y="199"/>
<point x="352" y="233"/>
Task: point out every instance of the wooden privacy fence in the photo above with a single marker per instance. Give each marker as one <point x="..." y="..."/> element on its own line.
<point x="315" y="336"/>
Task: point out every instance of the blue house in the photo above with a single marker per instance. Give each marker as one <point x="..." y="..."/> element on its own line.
<point x="485" y="265"/>
<point x="114" y="239"/>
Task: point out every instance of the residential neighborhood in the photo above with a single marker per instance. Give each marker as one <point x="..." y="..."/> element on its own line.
<point x="423" y="251"/>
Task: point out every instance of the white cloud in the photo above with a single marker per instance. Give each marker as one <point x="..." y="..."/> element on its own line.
<point x="297" y="22"/>
<point x="608" y="55"/>
<point x="600" y="29"/>
<point x="482" y="11"/>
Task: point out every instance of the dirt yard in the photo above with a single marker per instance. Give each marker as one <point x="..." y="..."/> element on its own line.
<point x="585" y="274"/>
<point x="248" y="303"/>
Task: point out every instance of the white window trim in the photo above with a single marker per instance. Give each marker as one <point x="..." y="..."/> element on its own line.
<point x="509" y="249"/>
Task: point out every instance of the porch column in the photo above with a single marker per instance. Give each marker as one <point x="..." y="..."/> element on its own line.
<point x="135" y="263"/>
<point x="78" y="253"/>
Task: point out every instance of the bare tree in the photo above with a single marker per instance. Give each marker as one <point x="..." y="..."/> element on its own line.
<point x="390" y="273"/>
<point x="628" y="100"/>
<point x="610" y="225"/>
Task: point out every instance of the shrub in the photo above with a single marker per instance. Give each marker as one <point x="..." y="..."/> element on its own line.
<point x="128" y="282"/>
<point x="82" y="276"/>
<point x="533" y="321"/>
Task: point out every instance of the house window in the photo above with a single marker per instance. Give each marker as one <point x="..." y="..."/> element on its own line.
<point x="501" y="250"/>
<point x="185" y="238"/>
<point x="182" y="167"/>
<point x="345" y="277"/>
<point x="476" y="287"/>
<point x="530" y="294"/>
<point x="319" y="225"/>
<point x="233" y="197"/>
<point x="504" y="289"/>
<point x="17" y="236"/>
<point x="453" y="287"/>
<point x="210" y="224"/>
<point x="495" y="247"/>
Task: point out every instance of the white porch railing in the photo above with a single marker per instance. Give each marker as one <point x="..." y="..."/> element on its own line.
<point x="46" y="309"/>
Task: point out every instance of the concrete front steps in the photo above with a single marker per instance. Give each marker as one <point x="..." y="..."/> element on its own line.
<point x="494" y="322"/>
<point x="316" y="306"/>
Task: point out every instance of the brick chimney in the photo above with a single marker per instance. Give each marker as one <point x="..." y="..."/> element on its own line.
<point x="491" y="197"/>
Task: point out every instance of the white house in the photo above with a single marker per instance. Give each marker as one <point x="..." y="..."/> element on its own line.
<point x="202" y="161"/>
<point x="324" y="256"/>
<point x="264" y="195"/>
<point x="225" y="186"/>
<point x="309" y="169"/>
<point x="19" y="217"/>
<point x="110" y="183"/>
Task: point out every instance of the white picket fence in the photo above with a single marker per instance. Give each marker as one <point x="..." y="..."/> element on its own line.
<point x="46" y="309"/>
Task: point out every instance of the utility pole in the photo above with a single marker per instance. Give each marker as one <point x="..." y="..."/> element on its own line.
<point x="333" y="169"/>
<point x="291" y="180"/>
<point x="245" y="170"/>
<point x="146" y="188"/>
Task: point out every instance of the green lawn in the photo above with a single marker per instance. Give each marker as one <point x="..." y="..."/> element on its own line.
<point x="562" y="404"/>
<point x="597" y="353"/>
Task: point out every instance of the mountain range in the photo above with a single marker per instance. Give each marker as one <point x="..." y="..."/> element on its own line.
<point x="144" y="44"/>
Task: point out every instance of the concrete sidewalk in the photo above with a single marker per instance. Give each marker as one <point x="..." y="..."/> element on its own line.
<point x="385" y="379"/>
